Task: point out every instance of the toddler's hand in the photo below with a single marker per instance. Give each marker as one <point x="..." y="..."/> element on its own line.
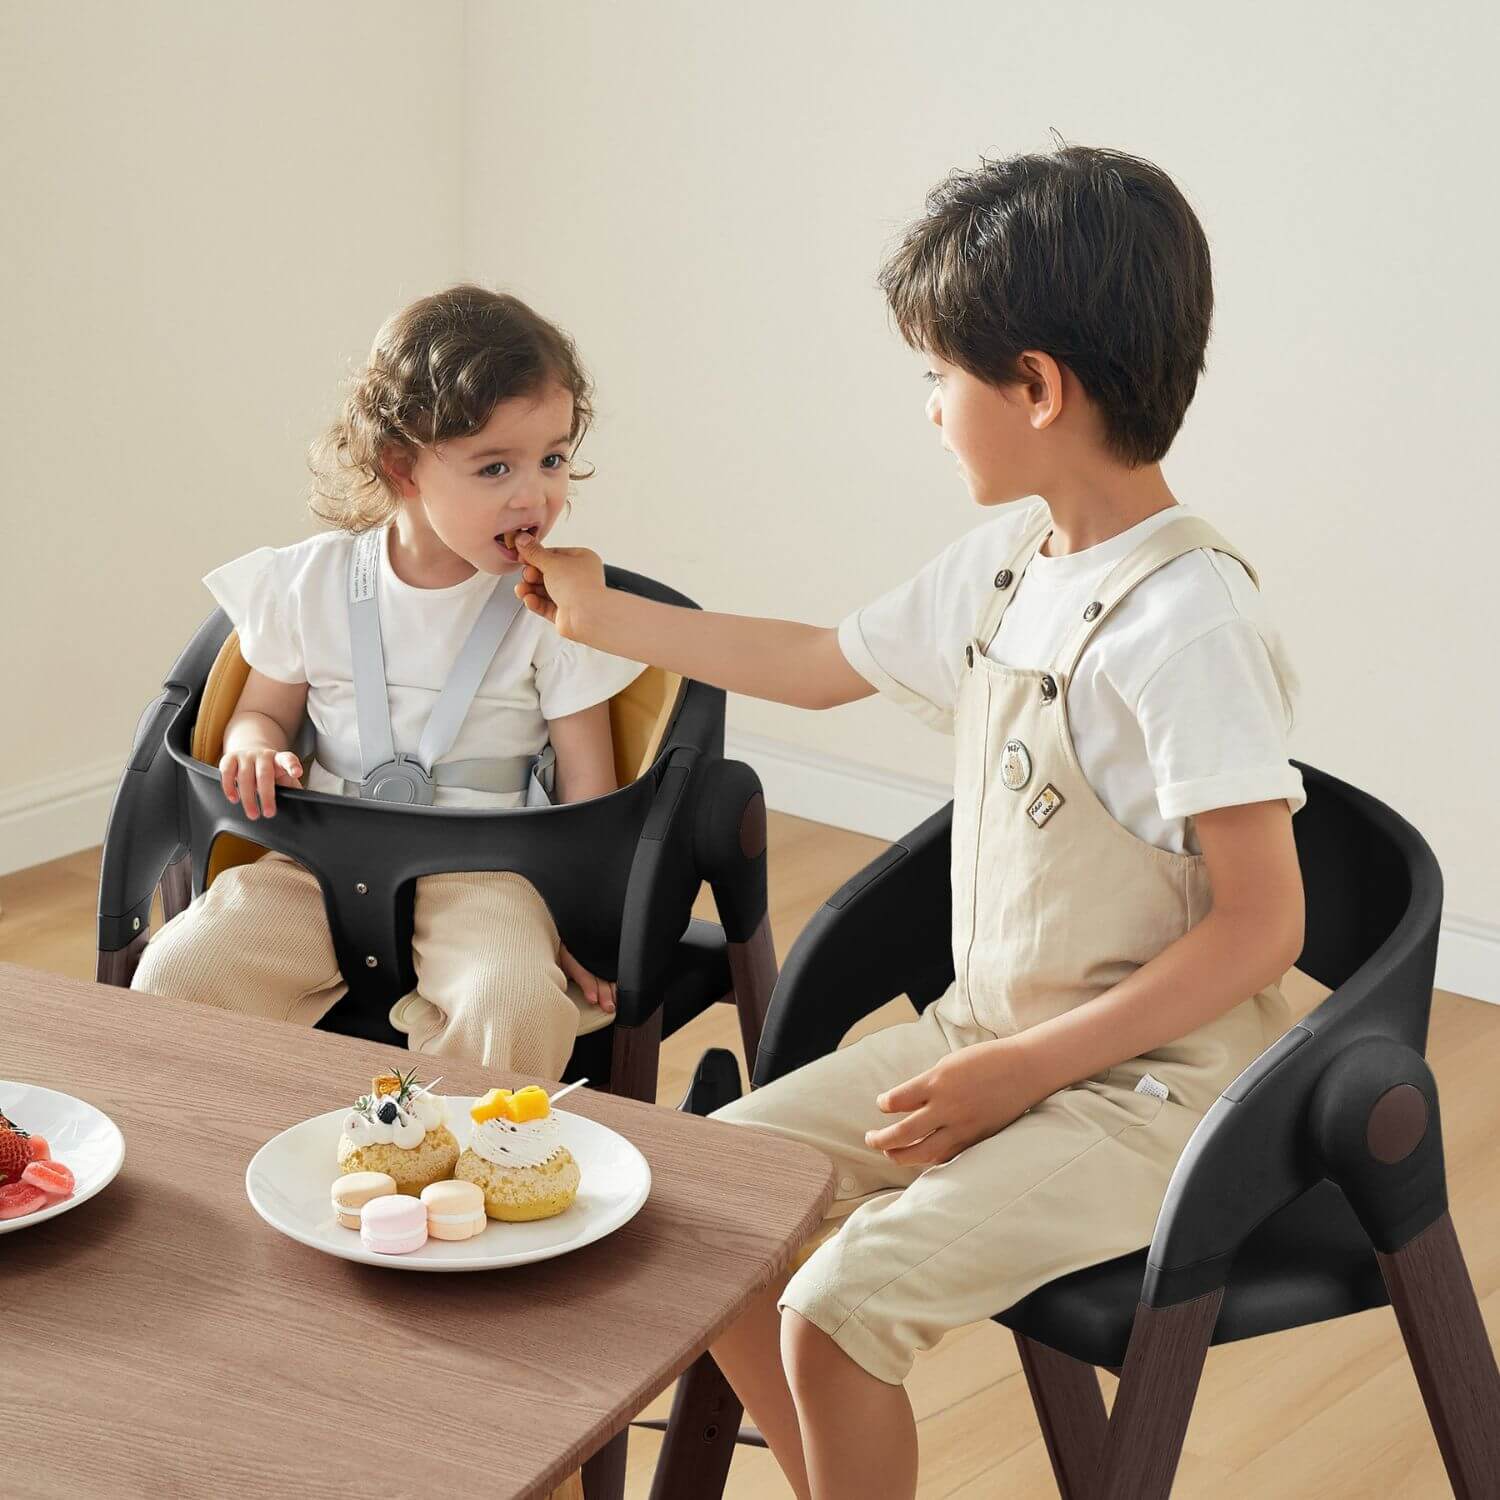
<point x="559" y="583"/>
<point x="596" y="991"/>
<point x="250" y="777"/>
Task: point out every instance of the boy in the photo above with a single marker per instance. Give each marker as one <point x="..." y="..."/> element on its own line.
<point x="1126" y="894"/>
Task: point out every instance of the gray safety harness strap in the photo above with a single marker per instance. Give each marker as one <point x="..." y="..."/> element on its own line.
<point x="386" y="775"/>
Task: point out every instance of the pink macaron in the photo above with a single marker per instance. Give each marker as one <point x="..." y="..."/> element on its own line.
<point x="393" y="1225"/>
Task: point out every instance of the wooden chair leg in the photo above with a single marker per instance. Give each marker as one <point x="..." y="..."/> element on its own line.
<point x="176" y="887"/>
<point x="700" y="1437"/>
<point x="604" y="1473"/>
<point x="1070" y="1410"/>
<point x="119" y="968"/>
<point x="634" y="1058"/>
<point x="1159" y="1380"/>
<point x="1450" y="1354"/>
<point x="752" y="968"/>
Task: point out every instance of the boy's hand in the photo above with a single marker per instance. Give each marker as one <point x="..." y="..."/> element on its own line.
<point x="596" y="991"/>
<point x="559" y="583"/>
<point x="966" y="1097"/>
<point x="250" y="777"/>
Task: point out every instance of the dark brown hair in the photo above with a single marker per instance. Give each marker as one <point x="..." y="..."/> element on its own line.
<point x="436" y="371"/>
<point x="1089" y="255"/>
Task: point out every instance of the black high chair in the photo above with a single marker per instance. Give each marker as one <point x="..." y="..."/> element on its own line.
<point x="619" y="872"/>
<point x="1313" y="1188"/>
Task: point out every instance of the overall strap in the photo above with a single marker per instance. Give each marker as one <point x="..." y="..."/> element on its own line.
<point x="1009" y="576"/>
<point x="371" y="704"/>
<point x="1166" y="544"/>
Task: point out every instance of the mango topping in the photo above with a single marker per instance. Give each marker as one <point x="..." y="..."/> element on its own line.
<point x="530" y="1103"/>
<point x="494" y="1104"/>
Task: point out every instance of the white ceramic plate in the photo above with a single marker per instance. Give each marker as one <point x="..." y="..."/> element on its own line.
<point x="289" y="1178"/>
<point x="81" y="1137"/>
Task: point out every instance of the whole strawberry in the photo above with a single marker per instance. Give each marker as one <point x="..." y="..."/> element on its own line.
<point x="15" y="1155"/>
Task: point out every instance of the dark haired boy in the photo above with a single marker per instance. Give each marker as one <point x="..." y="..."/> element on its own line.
<point x="1126" y="894"/>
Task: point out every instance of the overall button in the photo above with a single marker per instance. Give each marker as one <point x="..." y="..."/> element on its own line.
<point x="1003" y="578"/>
<point x="969" y="655"/>
<point x="1049" y="689"/>
<point x="1092" y="611"/>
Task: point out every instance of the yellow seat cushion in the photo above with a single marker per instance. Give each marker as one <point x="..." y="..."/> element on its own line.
<point x="638" y="719"/>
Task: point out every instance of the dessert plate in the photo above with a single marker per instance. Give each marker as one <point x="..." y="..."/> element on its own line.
<point x="83" y="1138"/>
<point x="289" y="1178"/>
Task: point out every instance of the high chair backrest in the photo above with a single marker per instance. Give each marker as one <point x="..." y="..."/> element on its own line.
<point x="639" y="716"/>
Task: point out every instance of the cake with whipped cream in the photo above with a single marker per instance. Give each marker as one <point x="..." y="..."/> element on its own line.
<point x="400" y="1129"/>
<point x="516" y="1156"/>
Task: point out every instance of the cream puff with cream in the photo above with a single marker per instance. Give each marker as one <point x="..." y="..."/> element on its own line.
<point x="400" y="1129"/>
<point x="516" y="1157"/>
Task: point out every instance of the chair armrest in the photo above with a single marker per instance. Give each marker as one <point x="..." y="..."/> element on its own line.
<point x="1304" y="1110"/>
<point x="143" y="835"/>
<point x="664" y="880"/>
<point x="886" y="932"/>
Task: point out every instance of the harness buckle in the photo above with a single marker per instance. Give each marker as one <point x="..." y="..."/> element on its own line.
<point x="402" y="780"/>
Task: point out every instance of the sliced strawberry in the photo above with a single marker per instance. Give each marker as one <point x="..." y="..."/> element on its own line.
<point x="15" y="1155"/>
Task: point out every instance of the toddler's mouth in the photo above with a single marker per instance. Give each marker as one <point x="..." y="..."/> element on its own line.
<point x="506" y="541"/>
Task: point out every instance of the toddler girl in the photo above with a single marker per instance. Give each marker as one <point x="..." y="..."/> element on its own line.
<point x="458" y="434"/>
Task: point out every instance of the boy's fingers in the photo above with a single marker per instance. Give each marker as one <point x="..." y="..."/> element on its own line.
<point x="906" y="1132"/>
<point x="904" y="1096"/>
<point x="938" y="1146"/>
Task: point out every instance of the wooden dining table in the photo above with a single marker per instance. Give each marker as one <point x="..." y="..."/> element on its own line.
<point x="162" y="1340"/>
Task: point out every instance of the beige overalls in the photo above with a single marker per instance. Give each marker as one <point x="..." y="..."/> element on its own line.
<point x="1054" y="902"/>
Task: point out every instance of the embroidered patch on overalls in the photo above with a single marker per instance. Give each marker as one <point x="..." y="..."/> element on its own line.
<point x="1015" y="765"/>
<point x="1047" y="802"/>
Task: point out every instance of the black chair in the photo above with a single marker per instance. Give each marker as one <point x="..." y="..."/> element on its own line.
<point x="1313" y="1188"/>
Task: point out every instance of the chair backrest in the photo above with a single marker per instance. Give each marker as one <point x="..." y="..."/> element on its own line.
<point x="1371" y="886"/>
<point x="639" y="716"/>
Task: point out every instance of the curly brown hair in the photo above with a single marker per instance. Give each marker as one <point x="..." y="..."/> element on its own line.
<point x="436" y="371"/>
<point x="1089" y="255"/>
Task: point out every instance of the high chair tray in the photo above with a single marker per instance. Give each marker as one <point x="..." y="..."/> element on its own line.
<point x="289" y="1178"/>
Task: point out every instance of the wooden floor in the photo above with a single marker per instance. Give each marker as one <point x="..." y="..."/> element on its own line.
<point x="1329" y="1413"/>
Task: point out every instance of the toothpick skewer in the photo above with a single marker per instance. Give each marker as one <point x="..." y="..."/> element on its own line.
<point x="576" y="1084"/>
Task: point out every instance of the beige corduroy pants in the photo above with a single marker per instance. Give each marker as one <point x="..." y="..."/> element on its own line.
<point x="484" y="945"/>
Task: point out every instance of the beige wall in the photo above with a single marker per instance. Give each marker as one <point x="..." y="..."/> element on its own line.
<point x="207" y="212"/>
<point x="214" y="207"/>
<point x="704" y="196"/>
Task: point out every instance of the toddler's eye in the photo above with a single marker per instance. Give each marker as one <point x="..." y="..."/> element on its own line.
<point x="498" y="464"/>
<point x="931" y="377"/>
<point x="555" y="466"/>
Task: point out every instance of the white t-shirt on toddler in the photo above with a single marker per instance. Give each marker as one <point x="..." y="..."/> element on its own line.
<point x="291" y="608"/>
<point x="1181" y="702"/>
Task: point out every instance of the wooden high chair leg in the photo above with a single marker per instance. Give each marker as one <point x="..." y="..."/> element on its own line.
<point x="693" y="1463"/>
<point x="604" y="1474"/>
<point x="1159" y="1380"/>
<point x="176" y="887"/>
<point x="753" y="970"/>
<point x="1070" y="1409"/>
<point x="1450" y="1354"/>
<point x="635" y="1052"/>
<point x="119" y="968"/>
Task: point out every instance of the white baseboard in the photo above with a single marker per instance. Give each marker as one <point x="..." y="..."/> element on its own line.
<point x="842" y="793"/>
<point x="864" y="799"/>
<point x="56" y="815"/>
<point x="59" y="815"/>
